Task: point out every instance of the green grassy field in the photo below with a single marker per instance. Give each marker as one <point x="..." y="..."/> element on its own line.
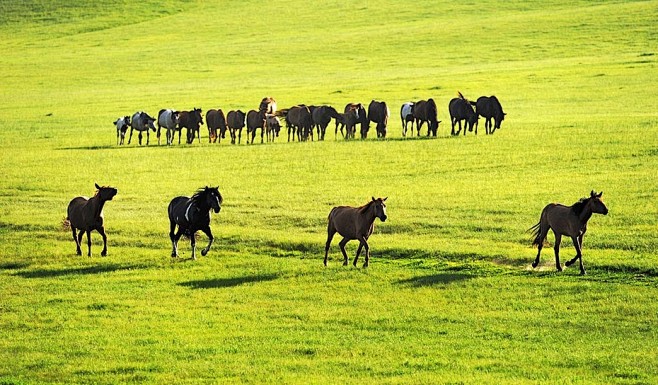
<point x="449" y="297"/>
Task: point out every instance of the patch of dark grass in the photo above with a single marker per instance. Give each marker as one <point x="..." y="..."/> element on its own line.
<point x="435" y="279"/>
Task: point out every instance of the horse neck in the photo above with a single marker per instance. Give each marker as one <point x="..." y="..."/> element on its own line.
<point x="586" y="214"/>
<point x="97" y="205"/>
<point x="368" y="213"/>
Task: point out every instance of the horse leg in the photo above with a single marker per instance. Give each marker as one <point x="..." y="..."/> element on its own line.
<point x="158" y="134"/>
<point x="239" y="135"/>
<point x="330" y="235"/>
<point x="342" y="250"/>
<point x="210" y="240"/>
<point x="193" y="244"/>
<point x="101" y="231"/>
<point x="131" y="135"/>
<point x="174" y="240"/>
<point x="88" y="242"/>
<point x="364" y="243"/>
<point x="556" y="248"/>
<point x="358" y="252"/>
<point x="540" y="243"/>
<point x="577" y="244"/>
<point x="77" y="242"/>
<point x="140" y="138"/>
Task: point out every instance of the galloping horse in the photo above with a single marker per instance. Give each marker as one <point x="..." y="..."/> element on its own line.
<point x="192" y="215"/>
<point x="86" y="214"/>
<point x="354" y="223"/>
<point x="570" y="221"/>
<point x="168" y="119"/>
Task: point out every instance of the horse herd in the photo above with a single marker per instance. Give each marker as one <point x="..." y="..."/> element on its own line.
<point x="192" y="214"/>
<point x="301" y="121"/>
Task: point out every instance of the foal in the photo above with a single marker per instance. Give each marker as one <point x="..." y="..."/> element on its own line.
<point x="354" y="223"/>
<point x="86" y="215"/>
<point x="570" y="221"/>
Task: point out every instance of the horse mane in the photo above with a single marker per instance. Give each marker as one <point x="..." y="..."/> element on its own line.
<point x="578" y="207"/>
<point x="365" y="207"/>
<point x="200" y="194"/>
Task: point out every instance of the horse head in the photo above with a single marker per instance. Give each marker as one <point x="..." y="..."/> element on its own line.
<point x="596" y="204"/>
<point x="214" y="198"/>
<point x="197" y="115"/>
<point x="106" y="193"/>
<point x="380" y="208"/>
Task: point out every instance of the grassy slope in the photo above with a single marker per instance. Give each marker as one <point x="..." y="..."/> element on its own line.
<point x="449" y="297"/>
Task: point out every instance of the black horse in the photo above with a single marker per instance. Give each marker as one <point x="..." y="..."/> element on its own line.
<point x="462" y="109"/>
<point x="192" y="215"/>
<point x="489" y="107"/>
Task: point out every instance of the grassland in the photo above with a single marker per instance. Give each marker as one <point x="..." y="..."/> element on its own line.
<point x="449" y="297"/>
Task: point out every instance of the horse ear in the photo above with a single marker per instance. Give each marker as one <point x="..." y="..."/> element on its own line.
<point x="384" y="200"/>
<point x="373" y="199"/>
<point x="97" y="186"/>
<point x="592" y="194"/>
<point x="599" y="194"/>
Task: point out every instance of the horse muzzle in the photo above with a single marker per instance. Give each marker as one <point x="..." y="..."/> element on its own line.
<point x="383" y="218"/>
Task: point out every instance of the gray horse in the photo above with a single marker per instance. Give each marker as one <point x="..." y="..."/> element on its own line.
<point x="168" y="119"/>
<point x="141" y="121"/>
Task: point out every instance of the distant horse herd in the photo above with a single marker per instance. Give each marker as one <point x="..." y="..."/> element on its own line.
<point x="307" y="122"/>
<point x="188" y="215"/>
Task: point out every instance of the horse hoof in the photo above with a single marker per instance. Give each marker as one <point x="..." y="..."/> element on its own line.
<point x="559" y="269"/>
<point x="534" y="264"/>
<point x="104" y="254"/>
<point x="568" y="263"/>
<point x="582" y="272"/>
<point x="203" y="253"/>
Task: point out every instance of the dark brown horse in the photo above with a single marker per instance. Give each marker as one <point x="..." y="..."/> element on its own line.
<point x="489" y="107"/>
<point x="235" y="123"/>
<point x="354" y="223"/>
<point x="300" y="117"/>
<point x="378" y="112"/>
<point x="425" y="111"/>
<point x="86" y="214"/>
<point x="272" y="128"/>
<point x="215" y="119"/>
<point x="570" y="221"/>
<point x="462" y="109"/>
<point x="256" y="120"/>
<point x="191" y="215"/>
<point x="191" y="120"/>
<point x="322" y="115"/>
<point x="361" y="117"/>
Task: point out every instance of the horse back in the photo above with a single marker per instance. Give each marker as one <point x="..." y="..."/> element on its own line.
<point x="561" y="219"/>
<point x="348" y="222"/>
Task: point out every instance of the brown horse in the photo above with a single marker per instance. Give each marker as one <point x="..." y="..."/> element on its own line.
<point x="191" y="120"/>
<point x="570" y="221"/>
<point x="425" y="111"/>
<point x="85" y="215"/>
<point x="215" y="119"/>
<point x="235" y="122"/>
<point x="354" y="223"/>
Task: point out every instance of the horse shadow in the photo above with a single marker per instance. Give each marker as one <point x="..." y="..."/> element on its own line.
<point x="435" y="279"/>
<point x="90" y="270"/>
<point x="219" y="283"/>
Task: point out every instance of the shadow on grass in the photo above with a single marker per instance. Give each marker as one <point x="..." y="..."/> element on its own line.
<point x="13" y="265"/>
<point x="219" y="283"/>
<point x="435" y="279"/>
<point x="100" y="269"/>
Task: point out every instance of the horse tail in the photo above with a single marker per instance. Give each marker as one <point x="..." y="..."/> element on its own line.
<point x="66" y="224"/>
<point x="536" y="233"/>
<point x="460" y="95"/>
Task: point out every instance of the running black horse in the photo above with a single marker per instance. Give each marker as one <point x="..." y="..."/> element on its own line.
<point x="192" y="215"/>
